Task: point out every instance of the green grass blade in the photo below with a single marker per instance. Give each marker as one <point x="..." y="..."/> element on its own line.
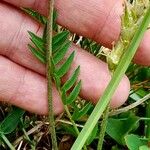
<point x="65" y="67"/>
<point x="69" y="83"/>
<point x="118" y="74"/>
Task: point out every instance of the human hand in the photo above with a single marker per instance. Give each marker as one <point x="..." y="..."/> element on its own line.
<point x="23" y="81"/>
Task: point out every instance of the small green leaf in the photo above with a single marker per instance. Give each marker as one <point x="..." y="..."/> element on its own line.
<point x="38" y="54"/>
<point x="59" y="39"/>
<point x="57" y="81"/>
<point x="118" y="129"/>
<point x="11" y="121"/>
<point x="69" y="83"/>
<point x="55" y="26"/>
<point x="133" y="142"/>
<point x="65" y="67"/>
<point x="38" y="42"/>
<point x="58" y="56"/>
<point x="80" y="113"/>
<point x="36" y="15"/>
<point x="73" y="95"/>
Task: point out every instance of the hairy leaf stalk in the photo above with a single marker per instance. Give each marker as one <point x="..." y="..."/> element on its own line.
<point x="49" y="36"/>
<point x="103" y="129"/>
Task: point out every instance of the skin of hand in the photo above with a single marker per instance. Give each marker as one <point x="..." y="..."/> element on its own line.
<point x="23" y="81"/>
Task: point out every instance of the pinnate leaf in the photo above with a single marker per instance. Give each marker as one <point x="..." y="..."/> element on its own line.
<point x="69" y="83"/>
<point x="37" y="53"/>
<point x="66" y="66"/>
<point x="59" y="55"/>
<point x="74" y="94"/>
<point x="59" y="39"/>
<point x="38" y="42"/>
<point x="80" y="113"/>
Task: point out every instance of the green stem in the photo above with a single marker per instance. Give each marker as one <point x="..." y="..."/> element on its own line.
<point x="131" y="106"/>
<point x="70" y="117"/>
<point x="147" y="124"/>
<point x="144" y="119"/>
<point x="7" y="142"/>
<point x="111" y="88"/>
<point x="27" y="137"/>
<point x="49" y="73"/>
<point x="103" y="129"/>
<point x="72" y="121"/>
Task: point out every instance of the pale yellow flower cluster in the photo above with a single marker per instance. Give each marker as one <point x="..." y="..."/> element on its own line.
<point x="130" y="21"/>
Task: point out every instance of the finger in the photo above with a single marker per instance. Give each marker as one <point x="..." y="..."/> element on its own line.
<point x="92" y="69"/>
<point x="25" y="89"/>
<point x="96" y="19"/>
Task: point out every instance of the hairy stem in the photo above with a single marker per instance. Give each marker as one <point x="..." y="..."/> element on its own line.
<point x="72" y="121"/>
<point x="49" y="35"/>
<point x="70" y="117"/>
<point x="103" y="128"/>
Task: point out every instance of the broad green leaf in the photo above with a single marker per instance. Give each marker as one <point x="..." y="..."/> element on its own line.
<point x="69" y="83"/>
<point x="38" y="42"/>
<point x="143" y="74"/>
<point x="80" y="113"/>
<point x="118" y="129"/>
<point x="144" y="147"/>
<point x="59" y="39"/>
<point x="38" y="54"/>
<point x="133" y="142"/>
<point x="68" y="129"/>
<point x="142" y="92"/>
<point x="73" y="95"/>
<point x="65" y="67"/>
<point x="10" y="123"/>
<point x="115" y="148"/>
<point x="59" y="55"/>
